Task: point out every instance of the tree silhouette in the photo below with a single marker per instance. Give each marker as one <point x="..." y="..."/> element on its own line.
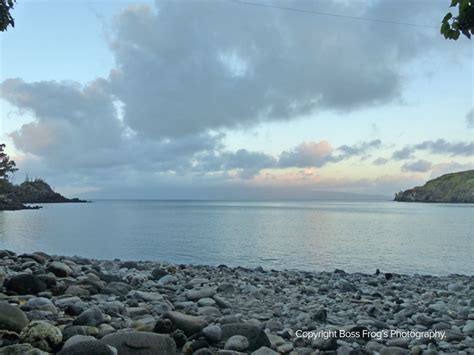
<point x="7" y="166"/>
<point x="6" y="18"/>
<point x="453" y="26"/>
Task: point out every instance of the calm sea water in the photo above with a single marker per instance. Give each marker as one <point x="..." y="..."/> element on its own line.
<point x="317" y="236"/>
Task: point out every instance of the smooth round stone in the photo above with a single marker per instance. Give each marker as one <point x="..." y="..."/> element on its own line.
<point x="254" y="334"/>
<point x="77" y="339"/>
<point x="237" y="343"/>
<point x="197" y="294"/>
<point x="131" y="343"/>
<point x="41" y="304"/>
<point x="59" y="269"/>
<point x="92" y="347"/>
<point x="206" y="302"/>
<point x="91" y="317"/>
<point x="12" y="318"/>
<point x="188" y="324"/>
<point x="213" y="333"/>
<point x="42" y="335"/>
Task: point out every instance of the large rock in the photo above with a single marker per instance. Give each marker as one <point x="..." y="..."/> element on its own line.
<point x="255" y="335"/>
<point x="141" y="343"/>
<point x="196" y="294"/>
<point x="12" y="318"/>
<point x="42" y="335"/>
<point x="25" y="284"/>
<point x="92" y="317"/>
<point x="236" y="343"/>
<point x="188" y="324"/>
<point x="59" y="269"/>
<point x="21" y="349"/>
<point x="41" y="304"/>
<point x="92" y="347"/>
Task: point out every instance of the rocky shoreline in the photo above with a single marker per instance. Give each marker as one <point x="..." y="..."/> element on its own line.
<point x="75" y="305"/>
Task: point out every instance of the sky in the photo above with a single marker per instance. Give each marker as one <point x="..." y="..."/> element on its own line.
<point x="234" y="99"/>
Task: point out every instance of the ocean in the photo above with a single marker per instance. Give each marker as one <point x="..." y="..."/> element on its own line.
<point x="395" y="237"/>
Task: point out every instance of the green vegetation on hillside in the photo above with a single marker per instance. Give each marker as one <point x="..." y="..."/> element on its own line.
<point x="454" y="188"/>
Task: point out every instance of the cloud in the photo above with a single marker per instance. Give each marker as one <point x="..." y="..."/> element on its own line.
<point x="404" y="153"/>
<point x="178" y="74"/>
<point x="470" y="119"/>
<point x="361" y="149"/>
<point x="311" y="154"/>
<point x="188" y="72"/>
<point x="247" y="163"/>
<point x="420" y="166"/>
<point x="380" y="161"/>
<point x="439" y="146"/>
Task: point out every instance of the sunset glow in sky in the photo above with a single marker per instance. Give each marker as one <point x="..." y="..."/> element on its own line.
<point x="220" y="99"/>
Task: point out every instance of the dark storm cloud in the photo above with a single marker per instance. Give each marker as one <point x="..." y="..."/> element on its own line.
<point x="420" y="166"/>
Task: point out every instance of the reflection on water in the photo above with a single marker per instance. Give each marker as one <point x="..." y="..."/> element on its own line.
<point x="359" y="236"/>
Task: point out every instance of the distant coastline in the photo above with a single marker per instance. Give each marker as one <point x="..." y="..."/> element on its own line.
<point x="448" y="188"/>
<point x="20" y="197"/>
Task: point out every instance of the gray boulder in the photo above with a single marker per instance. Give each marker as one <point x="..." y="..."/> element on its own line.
<point x="12" y="318"/>
<point x="254" y="334"/>
<point x="91" y="317"/>
<point x="188" y="324"/>
<point x="59" y="269"/>
<point x="236" y="343"/>
<point x="140" y="343"/>
<point x="89" y="347"/>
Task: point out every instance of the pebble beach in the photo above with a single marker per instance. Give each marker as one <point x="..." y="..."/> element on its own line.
<point x="76" y="305"/>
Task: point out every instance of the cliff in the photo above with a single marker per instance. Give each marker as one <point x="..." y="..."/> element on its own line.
<point x="449" y="188"/>
<point x="14" y="197"/>
<point x="37" y="191"/>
